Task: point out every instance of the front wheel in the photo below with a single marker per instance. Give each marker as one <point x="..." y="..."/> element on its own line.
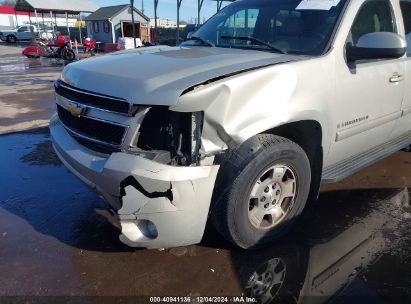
<point x="11" y="39"/>
<point x="265" y="187"/>
<point x="68" y="54"/>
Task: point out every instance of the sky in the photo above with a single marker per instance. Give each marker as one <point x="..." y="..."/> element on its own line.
<point x="167" y="9"/>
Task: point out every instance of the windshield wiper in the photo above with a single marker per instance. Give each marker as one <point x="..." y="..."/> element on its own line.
<point x="252" y="39"/>
<point x="205" y="41"/>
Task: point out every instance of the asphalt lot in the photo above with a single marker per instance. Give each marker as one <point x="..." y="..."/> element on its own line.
<point x="351" y="246"/>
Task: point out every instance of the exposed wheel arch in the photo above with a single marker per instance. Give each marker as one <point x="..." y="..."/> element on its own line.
<point x="308" y="135"/>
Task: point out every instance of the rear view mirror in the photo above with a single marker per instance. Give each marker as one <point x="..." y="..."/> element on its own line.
<point x="379" y="45"/>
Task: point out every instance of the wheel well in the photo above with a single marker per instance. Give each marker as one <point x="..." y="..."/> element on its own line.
<point x="308" y="135"/>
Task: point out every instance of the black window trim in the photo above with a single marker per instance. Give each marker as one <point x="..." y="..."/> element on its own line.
<point x="96" y="27"/>
<point x="106" y="26"/>
<point x="333" y="36"/>
<point x="408" y="52"/>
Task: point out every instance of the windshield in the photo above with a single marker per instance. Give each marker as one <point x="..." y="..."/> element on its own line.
<point x="285" y="26"/>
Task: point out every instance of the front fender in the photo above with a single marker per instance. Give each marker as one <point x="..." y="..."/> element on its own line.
<point x="242" y="106"/>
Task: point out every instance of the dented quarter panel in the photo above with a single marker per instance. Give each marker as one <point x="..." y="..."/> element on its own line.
<point x="243" y="105"/>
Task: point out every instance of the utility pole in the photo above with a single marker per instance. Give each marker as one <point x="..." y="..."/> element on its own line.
<point x="219" y="4"/>
<point x="155" y="20"/>
<point x="178" y="22"/>
<point x="132" y="23"/>
<point x="142" y="6"/>
<point x="199" y="6"/>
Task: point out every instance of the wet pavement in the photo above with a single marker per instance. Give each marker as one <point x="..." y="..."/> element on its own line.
<point x="26" y="89"/>
<point x="351" y="246"/>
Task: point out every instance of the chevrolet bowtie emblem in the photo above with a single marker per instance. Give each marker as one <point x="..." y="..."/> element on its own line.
<point x="76" y="109"/>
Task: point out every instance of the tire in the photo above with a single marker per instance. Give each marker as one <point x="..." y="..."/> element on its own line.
<point x="263" y="163"/>
<point x="11" y="39"/>
<point x="68" y="55"/>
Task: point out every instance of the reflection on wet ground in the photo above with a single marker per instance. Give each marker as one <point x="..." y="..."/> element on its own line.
<point x="26" y="92"/>
<point x="350" y="246"/>
<point x="22" y="64"/>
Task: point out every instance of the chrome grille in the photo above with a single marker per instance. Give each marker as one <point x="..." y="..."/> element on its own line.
<point x="97" y="132"/>
<point x="94" y="100"/>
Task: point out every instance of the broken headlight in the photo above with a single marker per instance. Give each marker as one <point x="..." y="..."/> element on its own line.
<point x="175" y="134"/>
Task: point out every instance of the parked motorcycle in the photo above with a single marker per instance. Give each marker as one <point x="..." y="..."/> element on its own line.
<point x="89" y="45"/>
<point x="53" y="49"/>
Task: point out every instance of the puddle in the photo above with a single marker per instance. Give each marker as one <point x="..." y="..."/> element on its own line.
<point x="23" y="65"/>
<point x="13" y="68"/>
<point x="42" y="154"/>
<point x="27" y="80"/>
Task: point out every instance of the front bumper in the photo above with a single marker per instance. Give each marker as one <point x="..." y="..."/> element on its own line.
<point x="148" y="196"/>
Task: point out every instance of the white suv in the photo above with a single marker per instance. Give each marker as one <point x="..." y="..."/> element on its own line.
<point x="242" y="122"/>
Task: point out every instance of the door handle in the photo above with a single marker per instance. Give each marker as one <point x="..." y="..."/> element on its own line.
<point x="396" y="78"/>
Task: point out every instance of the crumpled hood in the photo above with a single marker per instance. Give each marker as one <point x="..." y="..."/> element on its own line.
<point x="159" y="75"/>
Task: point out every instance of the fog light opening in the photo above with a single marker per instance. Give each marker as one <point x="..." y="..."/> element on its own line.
<point x="148" y="229"/>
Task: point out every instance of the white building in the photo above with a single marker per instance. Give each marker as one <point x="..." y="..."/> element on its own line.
<point x="165" y="23"/>
<point x="10" y="19"/>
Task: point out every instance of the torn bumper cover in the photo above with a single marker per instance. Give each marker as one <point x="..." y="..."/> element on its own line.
<point x="158" y="205"/>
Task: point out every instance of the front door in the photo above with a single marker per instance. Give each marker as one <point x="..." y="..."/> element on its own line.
<point x="404" y="123"/>
<point x="24" y="33"/>
<point x="369" y="92"/>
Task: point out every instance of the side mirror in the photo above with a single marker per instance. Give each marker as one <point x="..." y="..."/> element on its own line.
<point x="379" y="45"/>
<point x="190" y="34"/>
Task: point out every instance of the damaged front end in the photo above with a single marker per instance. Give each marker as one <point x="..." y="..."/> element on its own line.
<point x="165" y="200"/>
<point x="150" y="149"/>
<point x="146" y="163"/>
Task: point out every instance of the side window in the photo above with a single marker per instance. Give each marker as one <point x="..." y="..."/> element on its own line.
<point x="406" y="16"/>
<point x="96" y="27"/>
<point x="106" y="26"/>
<point x="373" y="16"/>
<point x="23" y="29"/>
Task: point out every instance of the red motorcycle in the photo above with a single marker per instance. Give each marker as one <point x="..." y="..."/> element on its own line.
<point x="60" y="48"/>
<point x="89" y="45"/>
